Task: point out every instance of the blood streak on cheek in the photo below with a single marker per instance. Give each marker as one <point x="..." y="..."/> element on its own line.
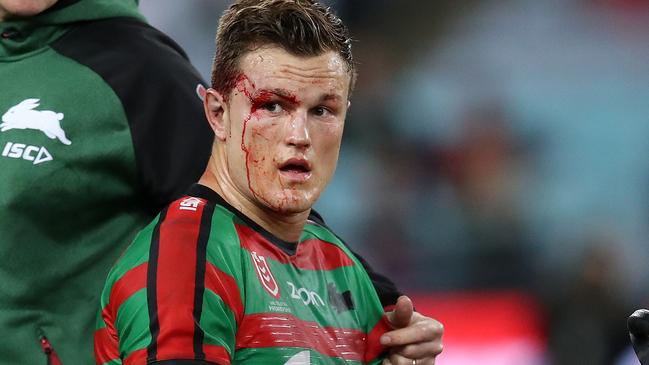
<point x="257" y="100"/>
<point x="241" y="87"/>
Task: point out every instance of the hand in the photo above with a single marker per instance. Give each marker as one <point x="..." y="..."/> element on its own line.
<point x="414" y="336"/>
<point x="638" y="325"/>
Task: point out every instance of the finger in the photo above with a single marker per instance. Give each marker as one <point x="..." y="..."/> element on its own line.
<point x="420" y="350"/>
<point x="400" y="316"/>
<point x="422" y="331"/>
<point x="401" y="360"/>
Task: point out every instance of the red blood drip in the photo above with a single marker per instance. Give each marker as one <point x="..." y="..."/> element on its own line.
<point x="257" y="100"/>
<point x="256" y="103"/>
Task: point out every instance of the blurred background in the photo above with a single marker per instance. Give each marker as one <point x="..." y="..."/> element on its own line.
<point x="495" y="165"/>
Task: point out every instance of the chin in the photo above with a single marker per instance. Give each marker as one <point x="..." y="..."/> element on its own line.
<point x="292" y="202"/>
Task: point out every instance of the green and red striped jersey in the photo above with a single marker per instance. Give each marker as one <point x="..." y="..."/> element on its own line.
<point x="204" y="284"/>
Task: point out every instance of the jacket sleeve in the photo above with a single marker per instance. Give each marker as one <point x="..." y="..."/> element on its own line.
<point x="156" y="84"/>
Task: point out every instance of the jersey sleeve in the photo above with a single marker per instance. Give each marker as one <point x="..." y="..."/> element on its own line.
<point x="385" y="288"/>
<point x="163" y="302"/>
<point x="157" y="87"/>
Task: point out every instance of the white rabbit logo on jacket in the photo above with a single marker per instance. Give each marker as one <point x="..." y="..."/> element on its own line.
<point x="22" y="116"/>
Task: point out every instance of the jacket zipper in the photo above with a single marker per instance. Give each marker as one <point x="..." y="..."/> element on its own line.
<point x="52" y="357"/>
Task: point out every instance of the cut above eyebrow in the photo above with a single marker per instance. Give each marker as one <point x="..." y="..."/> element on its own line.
<point x="282" y="93"/>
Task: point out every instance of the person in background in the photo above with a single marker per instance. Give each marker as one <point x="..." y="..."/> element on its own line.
<point x="240" y="270"/>
<point x="100" y="127"/>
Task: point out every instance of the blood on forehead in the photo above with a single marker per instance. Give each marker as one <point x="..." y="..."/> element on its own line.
<point x="258" y="98"/>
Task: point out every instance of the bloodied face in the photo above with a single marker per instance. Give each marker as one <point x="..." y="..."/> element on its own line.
<point x="283" y="125"/>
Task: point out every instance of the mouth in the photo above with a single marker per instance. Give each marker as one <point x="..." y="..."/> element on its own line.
<point x="296" y="169"/>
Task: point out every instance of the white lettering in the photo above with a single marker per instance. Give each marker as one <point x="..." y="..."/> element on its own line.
<point x="27" y="153"/>
<point x="16" y="150"/>
<point x="34" y="154"/>
<point x="190" y="204"/>
<point x="306" y="296"/>
<point x="43" y="156"/>
<point x="7" y="147"/>
<point x="301" y="358"/>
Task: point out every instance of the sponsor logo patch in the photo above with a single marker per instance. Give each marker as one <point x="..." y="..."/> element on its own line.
<point x="190" y="203"/>
<point x="265" y="275"/>
<point x="33" y="154"/>
<point x="306" y="296"/>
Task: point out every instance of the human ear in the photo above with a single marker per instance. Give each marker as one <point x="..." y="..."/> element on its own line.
<point x="216" y="112"/>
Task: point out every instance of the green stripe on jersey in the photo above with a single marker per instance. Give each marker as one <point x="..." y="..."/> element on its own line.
<point x="311" y="289"/>
<point x="113" y="362"/>
<point x="132" y="324"/>
<point x="138" y="253"/>
<point x="318" y="231"/>
<point x="218" y="322"/>
<point x="223" y="247"/>
<point x="284" y="355"/>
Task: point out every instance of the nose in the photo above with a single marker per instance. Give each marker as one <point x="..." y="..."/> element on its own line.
<point x="298" y="131"/>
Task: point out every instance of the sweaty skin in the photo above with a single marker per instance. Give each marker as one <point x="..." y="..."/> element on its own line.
<point x="279" y="135"/>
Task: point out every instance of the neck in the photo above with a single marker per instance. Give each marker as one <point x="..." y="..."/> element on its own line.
<point x="285" y="226"/>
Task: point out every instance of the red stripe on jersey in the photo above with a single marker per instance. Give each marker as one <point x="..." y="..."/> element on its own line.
<point x="285" y="330"/>
<point x="225" y="286"/>
<point x="374" y="347"/>
<point x="106" y="346"/>
<point x="216" y="354"/>
<point x="315" y="254"/>
<point x="175" y="279"/>
<point x="253" y="241"/>
<point x="137" y="357"/>
<point x="312" y="254"/>
<point x="132" y="281"/>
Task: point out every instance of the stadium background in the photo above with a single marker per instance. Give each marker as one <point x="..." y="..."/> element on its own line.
<point x="495" y="165"/>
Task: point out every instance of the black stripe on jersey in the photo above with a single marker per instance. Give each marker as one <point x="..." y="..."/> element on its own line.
<point x="151" y="285"/>
<point x="201" y="258"/>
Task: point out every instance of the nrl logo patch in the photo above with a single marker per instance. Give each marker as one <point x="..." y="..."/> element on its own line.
<point x="265" y="276"/>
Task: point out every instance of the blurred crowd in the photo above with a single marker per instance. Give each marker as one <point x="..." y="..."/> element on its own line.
<point x="500" y="144"/>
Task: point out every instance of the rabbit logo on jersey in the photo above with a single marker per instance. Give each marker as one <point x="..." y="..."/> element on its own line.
<point x="23" y="116"/>
<point x="265" y="276"/>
